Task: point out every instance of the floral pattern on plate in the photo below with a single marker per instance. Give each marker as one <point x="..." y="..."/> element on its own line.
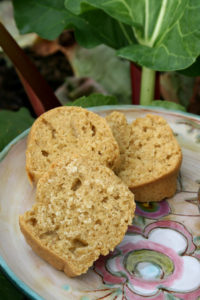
<point x="153" y="210"/>
<point x="154" y="262"/>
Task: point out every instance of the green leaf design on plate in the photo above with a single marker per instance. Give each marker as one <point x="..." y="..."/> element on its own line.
<point x="196" y="241"/>
<point x="170" y="296"/>
<point x="94" y="100"/>
<point x="12" y="124"/>
<point x="162" y="262"/>
<point x="139" y="220"/>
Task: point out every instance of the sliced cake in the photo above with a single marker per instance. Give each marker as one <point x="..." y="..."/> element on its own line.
<point x="69" y="130"/>
<point x="82" y="210"/>
<point x="150" y="156"/>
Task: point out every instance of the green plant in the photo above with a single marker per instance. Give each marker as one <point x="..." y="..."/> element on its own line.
<point x="40" y="94"/>
<point x="7" y="290"/>
<point x="94" y="100"/>
<point x="12" y="124"/>
<point x="160" y="35"/>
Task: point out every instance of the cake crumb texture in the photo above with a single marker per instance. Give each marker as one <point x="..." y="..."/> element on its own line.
<point x="82" y="210"/>
<point x="68" y="130"/>
<point x="150" y="155"/>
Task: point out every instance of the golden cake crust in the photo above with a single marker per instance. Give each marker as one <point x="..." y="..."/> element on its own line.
<point x="69" y="130"/>
<point x="82" y="210"/>
<point x="150" y="156"/>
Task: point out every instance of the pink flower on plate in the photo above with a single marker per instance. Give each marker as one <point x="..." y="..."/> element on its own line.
<point x="154" y="263"/>
<point x="152" y="210"/>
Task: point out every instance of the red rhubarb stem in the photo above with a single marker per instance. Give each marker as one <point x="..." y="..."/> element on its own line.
<point x="39" y="92"/>
<point x="136" y="72"/>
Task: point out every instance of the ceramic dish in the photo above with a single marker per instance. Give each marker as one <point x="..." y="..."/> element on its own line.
<point x="159" y="257"/>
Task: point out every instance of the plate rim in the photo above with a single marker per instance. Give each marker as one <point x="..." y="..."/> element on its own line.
<point x="6" y="270"/>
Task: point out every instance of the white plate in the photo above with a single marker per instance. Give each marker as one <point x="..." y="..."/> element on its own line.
<point x="159" y="256"/>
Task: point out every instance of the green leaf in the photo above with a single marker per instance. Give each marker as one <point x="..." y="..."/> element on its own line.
<point x="193" y="70"/>
<point x="12" y="124"/>
<point x="54" y="18"/>
<point x="94" y="100"/>
<point x="170" y="296"/>
<point x="159" y="59"/>
<point x="168" y="105"/>
<point x="7" y="290"/>
<point x="139" y="221"/>
<point x="109" y="32"/>
<point x="196" y="240"/>
<point x="136" y="13"/>
<point x="167" y="31"/>
<point x="6" y="17"/>
<point x="102" y="65"/>
<point x="49" y="18"/>
<point x="174" y="47"/>
<point x="159" y="34"/>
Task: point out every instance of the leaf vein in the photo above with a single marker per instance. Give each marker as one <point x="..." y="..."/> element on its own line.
<point x="125" y="32"/>
<point x="158" y="23"/>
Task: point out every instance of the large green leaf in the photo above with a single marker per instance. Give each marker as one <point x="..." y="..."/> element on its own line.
<point x="149" y="19"/>
<point x="167" y="31"/>
<point x="158" y="34"/>
<point x="108" y="70"/>
<point x="13" y="123"/>
<point x="90" y="31"/>
<point x="109" y="31"/>
<point x="159" y="59"/>
<point x="49" y="18"/>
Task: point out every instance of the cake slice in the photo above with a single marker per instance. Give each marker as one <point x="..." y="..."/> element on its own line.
<point x="68" y="130"/>
<point x="150" y="156"/>
<point x="82" y="210"/>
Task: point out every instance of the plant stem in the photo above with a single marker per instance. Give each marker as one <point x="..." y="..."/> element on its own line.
<point x="39" y="92"/>
<point x="147" y="86"/>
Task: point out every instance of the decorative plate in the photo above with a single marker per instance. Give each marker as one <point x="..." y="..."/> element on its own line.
<point x="159" y="257"/>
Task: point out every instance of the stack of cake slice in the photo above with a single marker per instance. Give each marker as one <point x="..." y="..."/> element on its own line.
<point x="87" y="170"/>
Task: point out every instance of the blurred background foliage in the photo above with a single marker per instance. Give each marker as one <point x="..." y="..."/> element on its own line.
<point x="73" y="71"/>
